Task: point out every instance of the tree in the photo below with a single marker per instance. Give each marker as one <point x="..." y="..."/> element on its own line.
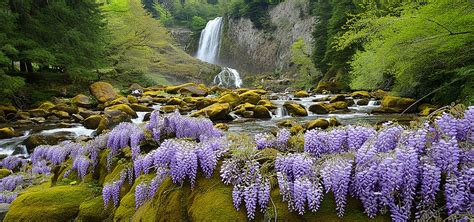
<point x="301" y="58"/>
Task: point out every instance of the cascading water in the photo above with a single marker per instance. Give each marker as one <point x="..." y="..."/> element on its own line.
<point x="208" y="51"/>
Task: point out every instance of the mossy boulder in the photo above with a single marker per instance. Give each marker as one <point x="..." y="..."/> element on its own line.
<point x="86" y="113"/>
<point x="363" y="102"/>
<point x="93" y="210"/>
<point x="231" y="98"/>
<point x="379" y="94"/>
<point x="204" y="102"/>
<point x="193" y="90"/>
<point x="267" y="103"/>
<point x="360" y="94"/>
<point x="6" y="132"/>
<point x="124" y="108"/>
<point x="45" y="139"/>
<point x="286" y="123"/>
<point x="339" y="105"/>
<point x="216" y="111"/>
<point x="153" y="93"/>
<point x="103" y="91"/>
<point x="61" y="114"/>
<point x="168" y="108"/>
<point x="240" y="109"/>
<point x="301" y="94"/>
<point x="4" y="173"/>
<point x="317" y="123"/>
<point x="295" y="129"/>
<point x="92" y="122"/>
<point x="295" y="109"/>
<point x="320" y="108"/>
<point x="337" y="98"/>
<point x="175" y="89"/>
<point x="59" y="203"/>
<point x="329" y="86"/>
<point x="222" y="126"/>
<point x="46" y="105"/>
<point x="140" y="108"/>
<point x="70" y="109"/>
<point x="333" y="121"/>
<point x="38" y="112"/>
<point x="261" y="112"/>
<point x="393" y="104"/>
<point x="132" y="99"/>
<point x="119" y="100"/>
<point x="7" y="109"/>
<point x="250" y="97"/>
<point x="175" y="101"/>
<point x="82" y="100"/>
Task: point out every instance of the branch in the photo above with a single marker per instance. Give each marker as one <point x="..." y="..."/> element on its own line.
<point x="442" y="26"/>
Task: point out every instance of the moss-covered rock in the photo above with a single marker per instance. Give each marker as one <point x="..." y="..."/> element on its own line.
<point x="301" y="94"/>
<point x="250" y="97"/>
<point x="132" y="99"/>
<point x="103" y="91"/>
<point x="339" y="105"/>
<point x="295" y="129"/>
<point x="393" y="104"/>
<point x="6" y="132"/>
<point x="329" y="86"/>
<point x="363" y="102"/>
<point x="61" y="114"/>
<point x="7" y="109"/>
<point x="216" y="111"/>
<point x="59" y="203"/>
<point x="92" y="122"/>
<point x="82" y="100"/>
<point x="267" y="103"/>
<point x="168" y="108"/>
<point x="261" y="112"/>
<point x="320" y="108"/>
<point x="175" y="89"/>
<point x="222" y="126"/>
<point x="124" y="108"/>
<point x="337" y="98"/>
<point x="231" y="98"/>
<point x="333" y="121"/>
<point x="38" y="112"/>
<point x="317" y="123"/>
<point x="119" y="100"/>
<point x="295" y="109"/>
<point x="46" y="105"/>
<point x="193" y="90"/>
<point x="140" y="108"/>
<point x="4" y="173"/>
<point x="93" y="211"/>
<point x="379" y="94"/>
<point x="360" y="94"/>
<point x="175" y="101"/>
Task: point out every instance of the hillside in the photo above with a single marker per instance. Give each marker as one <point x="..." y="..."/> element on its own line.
<point x="141" y="43"/>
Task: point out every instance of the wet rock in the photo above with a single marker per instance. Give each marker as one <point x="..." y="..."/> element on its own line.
<point x="222" y="126"/>
<point x="117" y="101"/>
<point x="338" y="98"/>
<point x="135" y="86"/>
<point x="193" y="90"/>
<point x="261" y="112"/>
<point x="103" y="91"/>
<point x="168" y="108"/>
<point x="141" y="108"/>
<point x="205" y="102"/>
<point x="328" y="86"/>
<point x="8" y="109"/>
<point x="70" y="109"/>
<point x="77" y="117"/>
<point x="334" y="122"/>
<point x="112" y="119"/>
<point x="46" y="105"/>
<point x="243" y="107"/>
<point x="286" y="123"/>
<point x="60" y="114"/>
<point x="363" y="102"/>
<point x="124" y="108"/>
<point x="132" y="99"/>
<point x="379" y="94"/>
<point x="267" y="103"/>
<point x="360" y="94"/>
<point x="250" y="97"/>
<point x="23" y="115"/>
<point x="301" y="94"/>
<point x="317" y="123"/>
<point x="247" y="114"/>
<point x="393" y="104"/>
<point x="92" y="122"/>
<point x="341" y="105"/>
<point x="4" y="207"/>
<point x="82" y="100"/>
<point x="38" y="113"/>
<point x="6" y="132"/>
<point x="38" y="119"/>
<point x="295" y="109"/>
<point x="216" y="111"/>
<point x="175" y="101"/>
<point x="231" y="98"/>
<point x="350" y="102"/>
<point x="147" y="117"/>
<point x="320" y="108"/>
<point x="46" y="139"/>
<point x="86" y="113"/>
<point x="295" y="129"/>
<point x="175" y="89"/>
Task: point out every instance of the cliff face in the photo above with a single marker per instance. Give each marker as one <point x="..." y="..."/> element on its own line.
<point x="252" y="50"/>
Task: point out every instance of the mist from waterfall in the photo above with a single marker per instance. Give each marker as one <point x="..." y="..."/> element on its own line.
<point x="208" y="51"/>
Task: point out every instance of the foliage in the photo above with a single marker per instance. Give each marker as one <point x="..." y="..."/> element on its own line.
<point x="301" y="58"/>
<point x="416" y="50"/>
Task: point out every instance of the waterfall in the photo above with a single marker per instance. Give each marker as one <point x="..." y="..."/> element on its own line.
<point x="208" y="51"/>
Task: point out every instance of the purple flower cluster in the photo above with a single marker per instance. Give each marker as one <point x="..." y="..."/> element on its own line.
<point x="155" y="125"/>
<point x="266" y="140"/>
<point x="125" y="135"/>
<point x="336" y="175"/>
<point x="7" y="197"/>
<point x="112" y="191"/>
<point x="145" y="191"/>
<point x="9" y="183"/>
<point x="451" y="127"/>
<point x="458" y="192"/>
<point x="357" y="135"/>
<point x="387" y="137"/>
<point x="41" y="167"/>
<point x="446" y="154"/>
<point x="318" y="142"/>
<point x="12" y="162"/>
<point x="55" y="154"/>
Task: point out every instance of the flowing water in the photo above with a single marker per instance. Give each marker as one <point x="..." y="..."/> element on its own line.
<point x="208" y="51"/>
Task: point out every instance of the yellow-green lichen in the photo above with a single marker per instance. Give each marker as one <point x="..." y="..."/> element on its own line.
<point x="93" y="210"/>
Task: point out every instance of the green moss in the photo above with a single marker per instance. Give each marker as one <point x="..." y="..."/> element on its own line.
<point x="4" y="172"/>
<point x="126" y="208"/>
<point x="93" y="210"/>
<point x="59" y="203"/>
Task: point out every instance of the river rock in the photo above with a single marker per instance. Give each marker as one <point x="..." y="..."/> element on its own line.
<point x="70" y="109"/>
<point x="243" y="107"/>
<point x="103" y="91"/>
<point x="231" y="98"/>
<point x="23" y="115"/>
<point x="267" y="103"/>
<point x="204" y="102"/>
<point x="317" y="123"/>
<point x="38" y="119"/>
<point x="86" y="113"/>
<point x="112" y="118"/>
<point x="7" y="132"/>
<point x="124" y="108"/>
<point x="193" y="90"/>
<point x="132" y="99"/>
<point x="250" y="97"/>
<point x="60" y="114"/>
<point x="153" y="93"/>
<point x="216" y="111"/>
<point x="8" y="109"/>
<point x="222" y="126"/>
<point x="261" y="112"/>
<point x="360" y="94"/>
<point x="393" y="104"/>
<point x="286" y="123"/>
<point x="340" y="105"/>
<point x="117" y="101"/>
<point x="82" y="100"/>
<point x="329" y="86"/>
<point x="379" y="94"/>
<point x="295" y="109"/>
<point x="149" y="99"/>
<point x="38" y="113"/>
<point x="168" y="108"/>
<point x="46" y="139"/>
<point x="175" y="101"/>
<point x="175" y="89"/>
<point x="135" y="86"/>
<point x="337" y="98"/>
<point x="320" y="108"/>
<point x="363" y="102"/>
<point x="301" y="94"/>
<point x="141" y="108"/>
<point x="333" y="121"/>
<point x="92" y="122"/>
<point x="46" y="105"/>
<point x="247" y="114"/>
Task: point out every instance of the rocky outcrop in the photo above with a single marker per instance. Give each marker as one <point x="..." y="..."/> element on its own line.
<point x="103" y="91"/>
<point x="249" y="49"/>
<point x="295" y="109"/>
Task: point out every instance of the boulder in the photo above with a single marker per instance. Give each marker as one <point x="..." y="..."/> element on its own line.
<point x="216" y="111"/>
<point x="231" y="98"/>
<point x="360" y="94"/>
<point x="153" y="93"/>
<point x="250" y="97"/>
<point x="379" y="94"/>
<point x="149" y="99"/>
<point x="363" y="102"/>
<point x="92" y="122"/>
<point x="317" y="123"/>
<point x="286" y="123"/>
<point x="222" y="126"/>
<point x="334" y="122"/>
<point x="267" y="103"/>
<point x="140" y="108"/>
<point x="193" y="90"/>
<point x="38" y="119"/>
<point x="261" y="112"/>
<point x="132" y="99"/>
<point x="247" y="114"/>
<point x="295" y="109"/>
<point x="7" y="109"/>
<point x="86" y="113"/>
<point x="295" y="129"/>
<point x="124" y="108"/>
<point x="205" y="102"/>
<point x="23" y="115"/>
<point x="46" y="139"/>
<point x="320" y="108"/>
<point x="103" y="91"/>
<point x="112" y="119"/>
<point x="46" y="105"/>
<point x="175" y="101"/>
<point x="301" y="94"/>
<point x="6" y="132"/>
<point x="60" y="114"/>
<point x="168" y="108"/>
<point x="135" y="86"/>
<point x="82" y="100"/>
<point x="243" y="107"/>
<point x="77" y="117"/>
<point x="339" y="105"/>
<point x="117" y="101"/>
<point x="329" y="86"/>
<point x="38" y="113"/>
<point x="393" y="104"/>
<point x="175" y="89"/>
<point x="70" y="109"/>
<point x="337" y="98"/>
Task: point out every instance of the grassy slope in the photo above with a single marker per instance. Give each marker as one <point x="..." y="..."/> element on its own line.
<point x="144" y="44"/>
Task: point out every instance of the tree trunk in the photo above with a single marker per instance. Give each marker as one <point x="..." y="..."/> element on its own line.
<point x="22" y="66"/>
<point x="29" y="66"/>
